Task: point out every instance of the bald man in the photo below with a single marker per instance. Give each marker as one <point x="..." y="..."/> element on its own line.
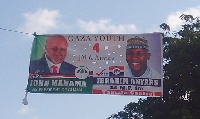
<point x="52" y="61"/>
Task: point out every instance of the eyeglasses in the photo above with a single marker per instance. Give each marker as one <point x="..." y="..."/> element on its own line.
<point x="55" y="49"/>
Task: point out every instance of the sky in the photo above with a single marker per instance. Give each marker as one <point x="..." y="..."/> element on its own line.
<point x="72" y="17"/>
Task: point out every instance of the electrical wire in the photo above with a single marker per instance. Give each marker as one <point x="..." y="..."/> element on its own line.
<point x="15" y="31"/>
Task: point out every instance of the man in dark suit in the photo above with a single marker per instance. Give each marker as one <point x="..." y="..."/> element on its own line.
<point x="52" y="61"/>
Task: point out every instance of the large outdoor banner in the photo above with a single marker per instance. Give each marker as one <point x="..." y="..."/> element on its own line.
<point x="119" y="64"/>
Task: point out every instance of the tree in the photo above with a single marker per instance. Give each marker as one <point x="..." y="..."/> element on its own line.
<point x="181" y="90"/>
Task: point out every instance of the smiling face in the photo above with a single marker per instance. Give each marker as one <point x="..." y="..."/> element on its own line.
<point x="137" y="60"/>
<point x="56" y="48"/>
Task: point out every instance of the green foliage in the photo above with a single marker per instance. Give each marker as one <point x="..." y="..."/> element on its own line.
<point x="181" y="93"/>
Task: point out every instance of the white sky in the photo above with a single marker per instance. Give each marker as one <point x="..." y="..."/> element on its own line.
<point x="77" y="17"/>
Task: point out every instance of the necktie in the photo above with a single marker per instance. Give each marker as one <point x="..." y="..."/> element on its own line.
<point x="54" y="69"/>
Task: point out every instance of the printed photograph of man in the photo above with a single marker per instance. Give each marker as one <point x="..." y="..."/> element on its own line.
<point x="52" y="61"/>
<point x="137" y="55"/>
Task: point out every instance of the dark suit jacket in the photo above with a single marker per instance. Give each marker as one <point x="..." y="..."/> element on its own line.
<point x="42" y="66"/>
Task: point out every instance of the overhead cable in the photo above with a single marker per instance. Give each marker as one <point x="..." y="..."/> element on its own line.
<point x="15" y="31"/>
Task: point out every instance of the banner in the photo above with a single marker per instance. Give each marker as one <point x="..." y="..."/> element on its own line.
<point x="119" y="64"/>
